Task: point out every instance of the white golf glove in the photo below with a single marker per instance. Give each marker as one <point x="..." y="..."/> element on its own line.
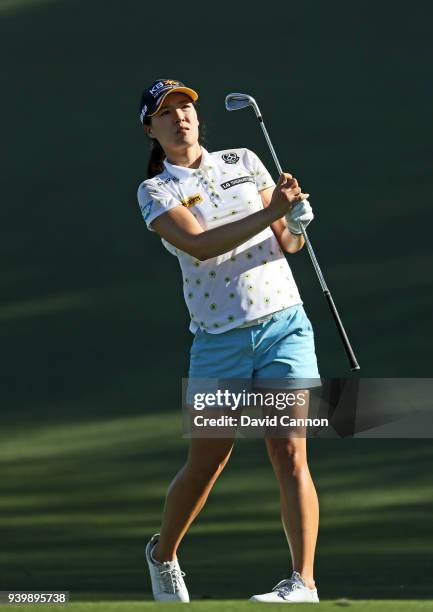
<point x="301" y="212"/>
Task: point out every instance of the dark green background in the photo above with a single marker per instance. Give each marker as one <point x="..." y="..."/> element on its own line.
<point x="93" y="325"/>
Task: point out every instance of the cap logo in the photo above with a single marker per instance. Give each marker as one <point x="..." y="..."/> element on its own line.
<point x="160" y="85"/>
<point x="155" y="89"/>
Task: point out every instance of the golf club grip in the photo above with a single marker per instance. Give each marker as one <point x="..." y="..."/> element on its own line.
<point x="349" y="351"/>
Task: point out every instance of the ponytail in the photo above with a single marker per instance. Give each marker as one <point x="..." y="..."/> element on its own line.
<point x="157" y="156"/>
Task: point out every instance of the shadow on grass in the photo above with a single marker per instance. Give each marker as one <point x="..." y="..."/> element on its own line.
<point x="79" y="521"/>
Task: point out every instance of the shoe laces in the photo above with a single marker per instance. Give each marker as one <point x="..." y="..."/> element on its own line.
<point x="284" y="587"/>
<point x="172" y="577"/>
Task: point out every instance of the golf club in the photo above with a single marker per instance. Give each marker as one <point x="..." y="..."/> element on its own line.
<point x="237" y="101"/>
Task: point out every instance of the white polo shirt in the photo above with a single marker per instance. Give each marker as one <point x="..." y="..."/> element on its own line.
<point x="249" y="282"/>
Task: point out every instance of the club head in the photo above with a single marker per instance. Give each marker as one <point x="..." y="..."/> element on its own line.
<point x="236" y="101"/>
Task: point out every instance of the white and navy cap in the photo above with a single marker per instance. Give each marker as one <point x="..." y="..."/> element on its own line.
<point x="154" y="96"/>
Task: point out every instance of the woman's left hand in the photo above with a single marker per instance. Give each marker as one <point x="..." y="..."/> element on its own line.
<point x="300" y="212"/>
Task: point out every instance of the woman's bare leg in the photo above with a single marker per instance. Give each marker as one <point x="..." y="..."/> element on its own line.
<point x="298" y="498"/>
<point x="189" y="490"/>
<point x="298" y="501"/>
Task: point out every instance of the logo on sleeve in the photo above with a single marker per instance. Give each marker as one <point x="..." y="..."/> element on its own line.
<point x="145" y="209"/>
<point x="230" y="158"/>
<point x="237" y="181"/>
<point x="192" y="200"/>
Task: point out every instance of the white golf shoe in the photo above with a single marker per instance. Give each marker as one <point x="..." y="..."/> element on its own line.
<point x="292" y="590"/>
<point x="167" y="578"/>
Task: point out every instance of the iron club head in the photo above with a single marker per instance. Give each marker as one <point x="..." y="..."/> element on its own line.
<point x="236" y="101"/>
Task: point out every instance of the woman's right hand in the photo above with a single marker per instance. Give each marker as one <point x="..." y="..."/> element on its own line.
<point x="286" y="193"/>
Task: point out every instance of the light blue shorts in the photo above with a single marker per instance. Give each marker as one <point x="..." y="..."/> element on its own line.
<point x="278" y="353"/>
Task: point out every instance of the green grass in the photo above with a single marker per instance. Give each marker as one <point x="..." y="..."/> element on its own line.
<point x="79" y="497"/>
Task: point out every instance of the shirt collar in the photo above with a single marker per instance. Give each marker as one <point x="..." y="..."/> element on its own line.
<point x="182" y="173"/>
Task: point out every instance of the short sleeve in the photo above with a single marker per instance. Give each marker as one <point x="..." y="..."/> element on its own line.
<point x="257" y="169"/>
<point x="154" y="201"/>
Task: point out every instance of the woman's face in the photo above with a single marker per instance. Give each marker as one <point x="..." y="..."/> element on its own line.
<point x="175" y="125"/>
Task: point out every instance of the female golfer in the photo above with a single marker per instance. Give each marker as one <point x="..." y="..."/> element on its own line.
<point x="228" y="224"/>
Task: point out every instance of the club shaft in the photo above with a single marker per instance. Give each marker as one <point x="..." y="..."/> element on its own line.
<point x="270" y="145"/>
<point x="314" y="259"/>
<point x="340" y="327"/>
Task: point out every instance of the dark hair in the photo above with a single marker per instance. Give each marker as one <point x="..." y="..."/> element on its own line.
<point x="157" y="155"/>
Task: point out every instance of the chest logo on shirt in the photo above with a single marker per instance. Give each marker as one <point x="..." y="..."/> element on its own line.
<point x="230" y="158"/>
<point x="237" y="181"/>
<point x="192" y="200"/>
<point x="162" y="182"/>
